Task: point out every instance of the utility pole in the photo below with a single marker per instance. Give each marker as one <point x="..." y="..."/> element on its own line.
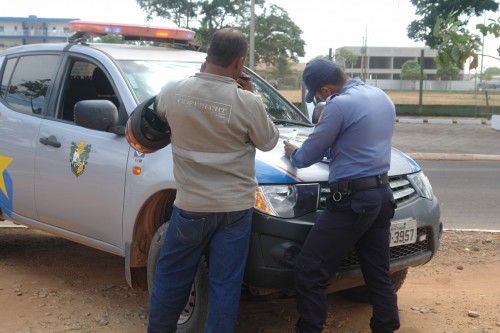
<point x="364" y="57"/>
<point x="421" y="88"/>
<point x="252" y="34"/>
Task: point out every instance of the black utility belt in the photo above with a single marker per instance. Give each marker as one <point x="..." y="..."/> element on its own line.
<point x="348" y="187"/>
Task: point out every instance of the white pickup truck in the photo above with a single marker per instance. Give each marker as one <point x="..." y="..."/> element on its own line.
<point x="72" y="173"/>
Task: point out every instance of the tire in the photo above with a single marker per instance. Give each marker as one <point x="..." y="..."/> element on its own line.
<point x="360" y="293"/>
<point x="195" y="314"/>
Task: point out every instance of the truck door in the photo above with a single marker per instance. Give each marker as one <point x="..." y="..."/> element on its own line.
<point x="25" y="86"/>
<point x="80" y="172"/>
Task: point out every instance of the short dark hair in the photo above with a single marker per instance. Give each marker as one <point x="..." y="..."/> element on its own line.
<point x="227" y="45"/>
<point x="338" y="77"/>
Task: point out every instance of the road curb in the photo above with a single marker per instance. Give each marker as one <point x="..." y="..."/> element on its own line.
<point x="453" y="157"/>
<point x="442" y="121"/>
<point x="473" y="230"/>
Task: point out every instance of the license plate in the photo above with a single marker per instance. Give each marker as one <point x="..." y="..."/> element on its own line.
<point x="403" y="232"/>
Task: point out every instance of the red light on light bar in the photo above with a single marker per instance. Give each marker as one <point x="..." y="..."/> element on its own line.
<point x="131" y="30"/>
<point x="162" y="34"/>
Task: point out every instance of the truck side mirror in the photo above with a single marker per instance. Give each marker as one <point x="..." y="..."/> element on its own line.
<point x="318" y="110"/>
<point x="100" y="115"/>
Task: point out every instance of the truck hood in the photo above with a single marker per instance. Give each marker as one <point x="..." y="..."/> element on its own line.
<point x="275" y="167"/>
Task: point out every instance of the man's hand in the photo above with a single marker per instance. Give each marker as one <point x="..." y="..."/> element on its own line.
<point x="289" y="148"/>
<point x="246" y="82"/>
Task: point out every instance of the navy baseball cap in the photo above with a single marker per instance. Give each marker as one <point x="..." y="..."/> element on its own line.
<point x="316" y="73"/>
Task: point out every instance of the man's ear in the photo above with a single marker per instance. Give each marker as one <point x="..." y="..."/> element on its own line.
<point x="238" y="65"/>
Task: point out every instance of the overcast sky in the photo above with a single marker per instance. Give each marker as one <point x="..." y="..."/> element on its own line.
<point x="325" y="24"/>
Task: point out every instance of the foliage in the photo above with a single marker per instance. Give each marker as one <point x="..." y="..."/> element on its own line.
<point x="179" y="11"/>
<point x="492" y="28"/>
<point x="410" y="70"/>
<point x="345" y="58"/>
<point x="112" y="39"/>
<point x="489" y="73"/>
<point x="457" y="44"/>
<point x="432" y="10"/>
<point x="448" y="73"/>
<point x="276" y="36"/>
<point x="282" y="67"/>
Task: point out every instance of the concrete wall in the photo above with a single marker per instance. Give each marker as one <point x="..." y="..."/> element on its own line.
<point x="427" y="85"/>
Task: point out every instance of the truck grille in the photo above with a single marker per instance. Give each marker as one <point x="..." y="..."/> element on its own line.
<point x="402" y="190"/>
<point x="395" y="252"/>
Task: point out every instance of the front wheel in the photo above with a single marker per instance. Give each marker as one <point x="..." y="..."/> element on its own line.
<point x="194" y="316"/>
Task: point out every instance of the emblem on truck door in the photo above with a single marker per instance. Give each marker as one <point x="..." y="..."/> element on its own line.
<point x="78" y="157"/>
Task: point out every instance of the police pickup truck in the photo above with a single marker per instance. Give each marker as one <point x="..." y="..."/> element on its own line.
<point x="70" y="171"/>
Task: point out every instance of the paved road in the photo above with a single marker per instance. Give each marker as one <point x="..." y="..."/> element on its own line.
<point x="468" y="193"/>
<point x="447" y="140"/>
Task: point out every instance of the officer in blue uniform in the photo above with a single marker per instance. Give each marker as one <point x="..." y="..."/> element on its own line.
<point x="354" y="133"/>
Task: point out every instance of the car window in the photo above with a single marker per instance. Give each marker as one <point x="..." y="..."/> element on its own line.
<point x="277" y="107"/>
<point x="7" y="73"/>
<point x="84" y="81"/>
<point x="148" y="77"/>
<point x="31" y="78"/>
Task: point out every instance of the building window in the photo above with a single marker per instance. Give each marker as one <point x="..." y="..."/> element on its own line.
<point x="2" y="29"/>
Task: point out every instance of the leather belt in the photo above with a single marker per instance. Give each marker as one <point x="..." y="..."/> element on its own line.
<point x="348" y="187"/>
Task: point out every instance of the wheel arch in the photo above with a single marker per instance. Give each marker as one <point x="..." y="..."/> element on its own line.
<point x="155" y="211"/>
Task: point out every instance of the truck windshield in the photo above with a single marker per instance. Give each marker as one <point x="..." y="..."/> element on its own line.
<point x="147" y="77"/>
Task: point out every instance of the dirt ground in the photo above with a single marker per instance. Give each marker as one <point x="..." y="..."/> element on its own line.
<point x="51" y="285"/>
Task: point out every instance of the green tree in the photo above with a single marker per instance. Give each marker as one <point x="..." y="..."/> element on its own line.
<point x="179" y="11"/>
<point x="282" y="69"/>
<point x="448" y="73"/>
<point x="410" y="71"/>
<point x="276" y="35"/>
<point x="346" y="59"/>
<point x="489" y="73"/>
<point x="457" y="44"/>
<point x="432" y="10"/>
<point x="202" y="16"/>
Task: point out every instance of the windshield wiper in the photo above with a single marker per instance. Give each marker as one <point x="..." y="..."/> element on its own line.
<point x="291" y="122"/>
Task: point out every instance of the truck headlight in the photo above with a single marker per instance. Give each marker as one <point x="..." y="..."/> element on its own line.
<point x="421" y="184"/>
<point x="287" y="201"/>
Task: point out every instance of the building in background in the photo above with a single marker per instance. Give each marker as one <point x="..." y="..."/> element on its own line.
<point x="384" y="63"/>
<point x="32" y="29"/>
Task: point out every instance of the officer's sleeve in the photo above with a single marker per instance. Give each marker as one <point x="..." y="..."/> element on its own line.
<point x="323" y="137"/>
<point x="262" y="131"/>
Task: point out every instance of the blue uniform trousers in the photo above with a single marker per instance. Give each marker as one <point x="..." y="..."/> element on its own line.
<point x="359" y="221"/>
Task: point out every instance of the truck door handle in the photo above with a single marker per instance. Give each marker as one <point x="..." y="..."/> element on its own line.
<point x="50" y="141"/>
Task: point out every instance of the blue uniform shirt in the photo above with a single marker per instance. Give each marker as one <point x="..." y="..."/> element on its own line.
<point x="355" y="133"/>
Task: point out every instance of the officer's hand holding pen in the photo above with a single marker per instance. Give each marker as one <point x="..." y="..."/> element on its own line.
<point x="289" y="148"/>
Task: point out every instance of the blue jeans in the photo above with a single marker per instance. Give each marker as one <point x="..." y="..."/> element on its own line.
<point x="224" y="238"/>
<point x="360" y="221"/>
